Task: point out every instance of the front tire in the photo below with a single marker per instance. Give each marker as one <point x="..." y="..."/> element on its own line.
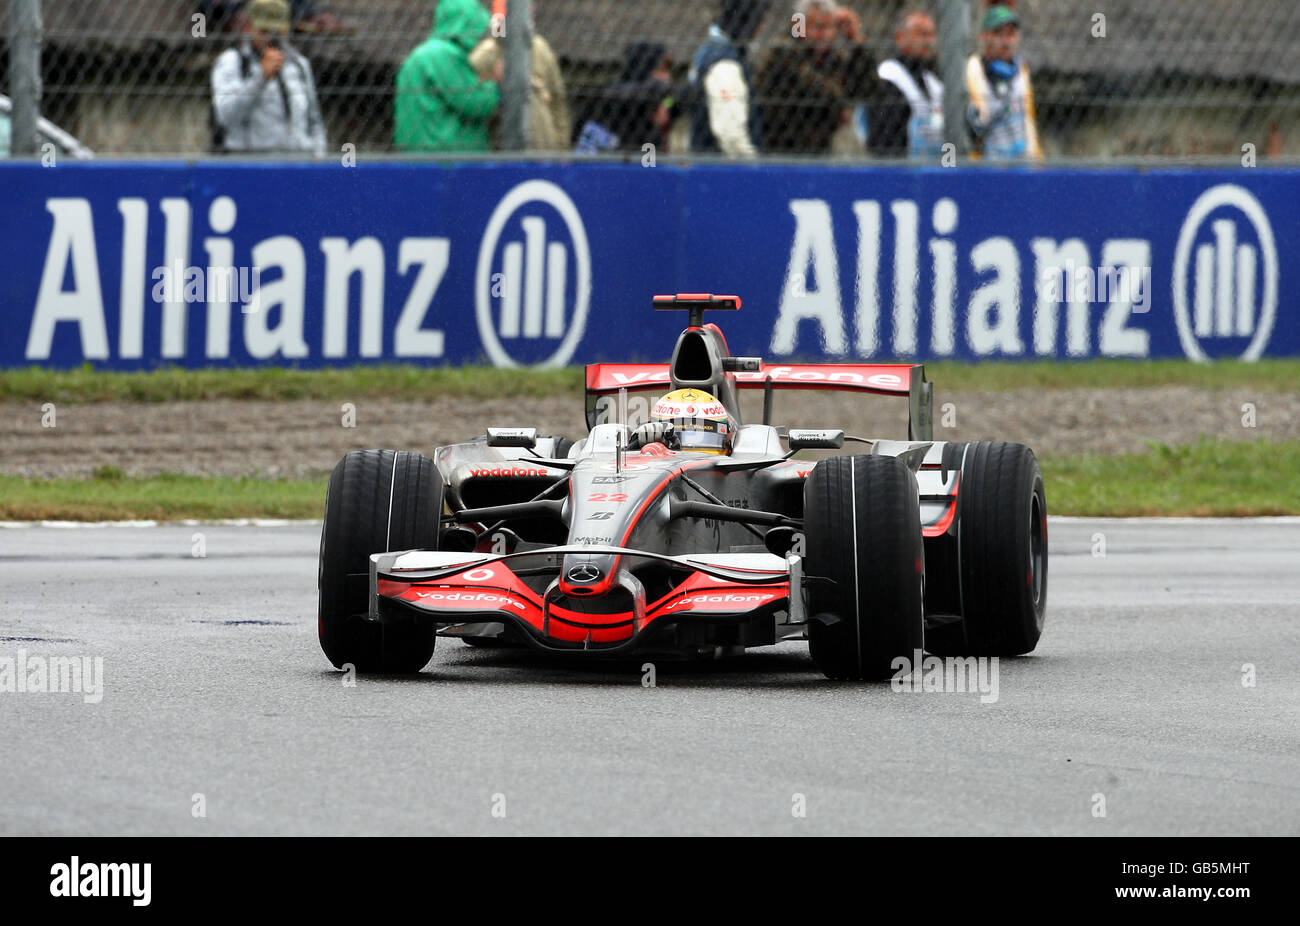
<point x="1002" y="538"/>
<point x="378" y="500"/>
<point x="862" y="528"/>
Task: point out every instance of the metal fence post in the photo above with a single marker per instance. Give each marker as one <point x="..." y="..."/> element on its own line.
<point x="25" y="75"/>
<point x="955" y="46"/>
<point x="516" y="85"/>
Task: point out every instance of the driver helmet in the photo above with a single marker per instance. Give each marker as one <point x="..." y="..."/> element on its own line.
<point x="700" y="422"/>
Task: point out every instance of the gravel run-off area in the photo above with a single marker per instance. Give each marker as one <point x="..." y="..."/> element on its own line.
<point x="304" y="438"/>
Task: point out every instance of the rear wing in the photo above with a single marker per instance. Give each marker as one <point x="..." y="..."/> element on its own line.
<point x="888" y="379"/>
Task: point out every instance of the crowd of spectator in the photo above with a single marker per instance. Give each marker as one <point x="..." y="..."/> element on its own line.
<point x="818" y="92"/>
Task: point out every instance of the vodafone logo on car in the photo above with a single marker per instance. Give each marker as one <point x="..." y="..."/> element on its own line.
<point x="721" y="601"/>
<point x="501" y="471"/>
<point x="663" y="409"/>
<point x="469" y="599"/>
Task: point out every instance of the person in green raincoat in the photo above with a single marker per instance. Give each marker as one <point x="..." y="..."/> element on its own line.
<point x="442" y="103"/>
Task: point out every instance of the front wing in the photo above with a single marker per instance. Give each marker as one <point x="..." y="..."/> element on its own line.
<point x="522" y="590"/>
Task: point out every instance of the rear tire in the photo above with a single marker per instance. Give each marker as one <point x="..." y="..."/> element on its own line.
<point x="378" y="500"/>
<point x="862" y="528"/>
<point x="1002" y="538"/>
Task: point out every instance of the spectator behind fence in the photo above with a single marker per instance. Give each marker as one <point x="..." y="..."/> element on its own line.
<point x="442" y="104"/>
<point x="310" y="18"/>
<point x="807" y="87"/>
<point x="263" y="93"/>
<point x="634" y="110"/>
<point x="906" y="118"/>
<point x="304" y="14"/>
<point x="549" y="124"/>
<point x="1001" y="115"/>
<point x="724" y="113"/>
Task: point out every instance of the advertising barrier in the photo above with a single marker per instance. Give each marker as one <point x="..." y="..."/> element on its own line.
<point x="141" y="265"/>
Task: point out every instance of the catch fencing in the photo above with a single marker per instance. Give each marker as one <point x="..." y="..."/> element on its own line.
<point x="1165" y="79"/>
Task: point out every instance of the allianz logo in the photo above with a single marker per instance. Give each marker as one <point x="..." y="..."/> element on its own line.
<point x="847" y="311"/>
<point x="1229" y="279"/>
<point x="542" y="286"/>
<point x="522" y="285"/>
<point x="533" y="283"/>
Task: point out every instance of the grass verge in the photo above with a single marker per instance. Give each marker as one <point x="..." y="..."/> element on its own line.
<point x="416" y="383"/>
<point x="86" y="384"/>
<point x="112" y="496"/>
<point x="1210" y="478"/>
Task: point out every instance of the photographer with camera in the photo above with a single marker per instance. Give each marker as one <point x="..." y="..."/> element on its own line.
<point x="263" y="92"/>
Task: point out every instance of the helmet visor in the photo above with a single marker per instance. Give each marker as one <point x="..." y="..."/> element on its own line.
<point x="702" y="434"/>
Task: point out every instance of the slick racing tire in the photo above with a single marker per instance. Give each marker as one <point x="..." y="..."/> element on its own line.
<point x="1002" y="544"/>
<point x="378" y="500"/>
<point x="562" y="447"/>
<point x="862" y="529"/>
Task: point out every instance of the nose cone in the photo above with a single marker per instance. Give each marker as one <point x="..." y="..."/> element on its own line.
<point x="596" y="601"/>
<point x="586" y="575"/>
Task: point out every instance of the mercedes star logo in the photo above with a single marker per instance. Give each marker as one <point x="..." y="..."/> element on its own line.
<point x="584" y="572"/>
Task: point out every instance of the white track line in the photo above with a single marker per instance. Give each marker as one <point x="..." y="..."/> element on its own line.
<point x="188" y="522"/>
<point x="1280" y="520"/>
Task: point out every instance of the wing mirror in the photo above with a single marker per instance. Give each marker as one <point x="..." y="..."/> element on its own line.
<point x="832" y="439"/>
<point x="512" y="437"/>
<point x="781" y="540"/>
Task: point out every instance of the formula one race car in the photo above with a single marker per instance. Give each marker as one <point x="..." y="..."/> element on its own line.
<point x="674" y="527"/>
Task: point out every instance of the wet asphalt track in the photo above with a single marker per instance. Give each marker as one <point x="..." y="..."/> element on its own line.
<point x="214" y="685"/>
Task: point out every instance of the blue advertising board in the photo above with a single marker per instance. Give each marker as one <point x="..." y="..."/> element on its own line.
<point x="140" y="265"/>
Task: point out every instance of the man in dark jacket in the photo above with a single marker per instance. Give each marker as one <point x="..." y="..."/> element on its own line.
<point x="724" y="114"/>
<point x="634" y="110"/>
<point x="807" y="87"/>
<point x="906" y="118"/>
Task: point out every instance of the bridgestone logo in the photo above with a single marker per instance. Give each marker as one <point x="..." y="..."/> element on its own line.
<point x="470" y="597"/>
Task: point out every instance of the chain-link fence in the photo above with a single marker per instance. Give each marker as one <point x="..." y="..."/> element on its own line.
<point x="1162" y="78"/>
